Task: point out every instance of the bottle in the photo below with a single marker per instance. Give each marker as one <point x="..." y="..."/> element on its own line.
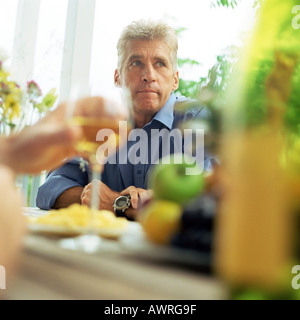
<point x="255" y="235"/>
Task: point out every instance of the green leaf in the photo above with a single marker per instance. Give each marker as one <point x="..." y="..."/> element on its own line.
<point x="191" y="62"/>
<point x="47" y="102"/>
<point x="188" y="88"/>
<point x="224" y="3"/>
<point x="180" y="30"/>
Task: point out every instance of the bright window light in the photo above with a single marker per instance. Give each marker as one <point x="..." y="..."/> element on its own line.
<point x="50" y="44"/>
<point x="8" y="10"/>
<point x="209" y="32"/>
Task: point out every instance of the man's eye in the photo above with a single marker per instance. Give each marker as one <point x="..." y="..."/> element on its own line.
<point x="136" y="63"/>
<point x="161" y="64"/>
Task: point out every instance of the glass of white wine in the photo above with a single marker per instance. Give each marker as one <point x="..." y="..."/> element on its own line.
<point x="109" y="126"/>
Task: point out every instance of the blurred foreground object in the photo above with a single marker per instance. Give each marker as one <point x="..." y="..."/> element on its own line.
<point x="78" y="216"/>
<point x="76" y="220"/>
<point x="161" y="220"/>
<point x="179" y="213"/>
<point x="12" y="223"/>
<point x="254" y="230"/>
<point x="174" y="184"/>
<point x="178" y="181"/>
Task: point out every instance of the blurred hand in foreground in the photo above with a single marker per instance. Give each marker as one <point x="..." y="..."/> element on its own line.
<point x="50" y="142"/>
<point x="12" y="222"/>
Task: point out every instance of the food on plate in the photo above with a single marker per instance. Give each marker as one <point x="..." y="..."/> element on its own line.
<point x="76" y="216"/>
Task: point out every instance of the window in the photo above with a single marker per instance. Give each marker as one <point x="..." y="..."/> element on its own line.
<point x="49" y="46"/>
<point x="7" y="26"/>
<point x="61" y="42"/>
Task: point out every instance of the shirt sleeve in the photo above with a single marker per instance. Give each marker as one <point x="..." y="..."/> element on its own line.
<point x="58" y="181"/>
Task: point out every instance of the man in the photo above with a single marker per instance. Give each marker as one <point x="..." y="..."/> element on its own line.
<point x="147" y="67"/>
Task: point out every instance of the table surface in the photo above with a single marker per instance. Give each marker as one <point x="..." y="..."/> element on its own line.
<point x="116" y="272"/>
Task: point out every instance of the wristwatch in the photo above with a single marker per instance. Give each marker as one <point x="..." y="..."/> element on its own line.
<point x="121" y="204"/>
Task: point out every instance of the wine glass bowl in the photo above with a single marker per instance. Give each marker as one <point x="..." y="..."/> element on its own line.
<point x="99" y="119"/>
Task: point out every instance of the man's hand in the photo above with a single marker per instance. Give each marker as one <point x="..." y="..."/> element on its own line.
<point x="139" y="197"/>
<point x="45" y="145"/>
<point x="106" y="195"/>
<point x="39" y="147"/>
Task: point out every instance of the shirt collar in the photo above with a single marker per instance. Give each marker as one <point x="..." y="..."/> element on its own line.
<point x="166" y="114"/>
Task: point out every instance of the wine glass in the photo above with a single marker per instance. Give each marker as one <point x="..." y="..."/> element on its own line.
<point x="97" y="125"/>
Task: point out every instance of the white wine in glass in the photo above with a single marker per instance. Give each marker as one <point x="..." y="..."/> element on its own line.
<point x="108" y="125"/>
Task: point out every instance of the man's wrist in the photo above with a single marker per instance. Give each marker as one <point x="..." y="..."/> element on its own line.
<point x="107" y="201"/>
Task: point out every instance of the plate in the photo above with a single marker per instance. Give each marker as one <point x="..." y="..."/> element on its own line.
<point x="34" y="212"/>
<point x="65" y="230"/>
<point x="71" y="232"/>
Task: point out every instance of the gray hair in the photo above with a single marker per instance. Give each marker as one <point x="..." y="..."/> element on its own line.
<point x="148" y="30"/>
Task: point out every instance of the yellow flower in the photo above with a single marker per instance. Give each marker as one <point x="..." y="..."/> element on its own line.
<point x="12" y="106"/>
<point x="3" y="75"/>
<point x="11" y="101"/>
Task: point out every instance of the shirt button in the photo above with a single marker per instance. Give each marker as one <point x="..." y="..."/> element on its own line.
<point x="139" y="172"/>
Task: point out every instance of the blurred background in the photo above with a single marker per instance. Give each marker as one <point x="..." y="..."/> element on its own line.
<point x="57" y="42"/>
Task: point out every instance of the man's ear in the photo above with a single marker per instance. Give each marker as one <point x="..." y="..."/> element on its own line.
<point x="117" y="78"/>
<point x="176" y="81"/>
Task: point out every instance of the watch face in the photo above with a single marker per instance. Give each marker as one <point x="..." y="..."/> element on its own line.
<point x="122" y="202"/>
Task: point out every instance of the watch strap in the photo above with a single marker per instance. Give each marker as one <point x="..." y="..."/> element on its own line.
<point x="120" y="213"/>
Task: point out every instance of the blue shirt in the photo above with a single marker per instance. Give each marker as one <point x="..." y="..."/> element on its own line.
<point x="118" y="176"/>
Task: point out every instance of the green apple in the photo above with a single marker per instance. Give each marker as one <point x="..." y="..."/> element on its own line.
<point x="174" y="182"/>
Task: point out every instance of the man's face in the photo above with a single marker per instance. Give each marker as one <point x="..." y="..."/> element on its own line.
<point x="148" y="73"/>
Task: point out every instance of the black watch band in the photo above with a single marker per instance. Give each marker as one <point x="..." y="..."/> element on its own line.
<point x="120" y="213"/>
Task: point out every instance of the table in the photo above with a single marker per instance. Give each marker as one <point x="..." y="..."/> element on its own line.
<point x="49" y="272"/>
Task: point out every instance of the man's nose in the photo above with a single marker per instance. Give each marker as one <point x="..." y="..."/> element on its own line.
<point x="148" y="74"/>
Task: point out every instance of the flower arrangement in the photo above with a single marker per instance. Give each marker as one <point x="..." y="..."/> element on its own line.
<point x="17" y="105"/>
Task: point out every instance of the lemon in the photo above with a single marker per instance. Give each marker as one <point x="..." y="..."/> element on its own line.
<point x="161" y="220"/>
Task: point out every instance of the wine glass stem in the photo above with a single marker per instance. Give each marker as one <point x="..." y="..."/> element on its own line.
<point x="95" y="196"/>
<point x="95" y="199"/>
